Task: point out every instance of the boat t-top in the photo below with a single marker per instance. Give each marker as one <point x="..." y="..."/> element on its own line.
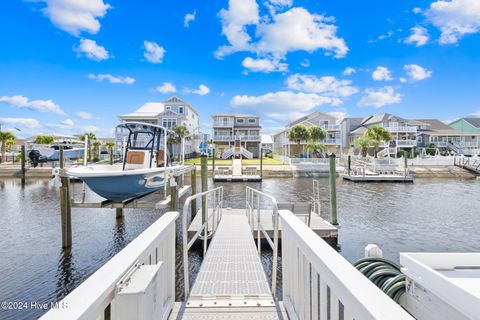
<point x="143" y="170"/>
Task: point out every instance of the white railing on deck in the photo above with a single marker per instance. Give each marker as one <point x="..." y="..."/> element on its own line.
<point x="94" y="295"/>
<point x="253" y="210"/>
<point x="216" y="198"/>
<point x="318" y="282"/>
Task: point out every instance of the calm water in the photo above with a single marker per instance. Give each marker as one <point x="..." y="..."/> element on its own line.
<point x="430" y="215"/>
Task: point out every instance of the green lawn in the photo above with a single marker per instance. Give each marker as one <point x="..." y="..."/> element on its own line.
<point x="229" y="162"/>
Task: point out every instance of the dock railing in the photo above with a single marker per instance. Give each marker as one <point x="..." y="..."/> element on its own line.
<point x="318" y="283"/>
<point x="253" y="211"/>
<point x="215" y="215"/>
<point x="95" y="297"/>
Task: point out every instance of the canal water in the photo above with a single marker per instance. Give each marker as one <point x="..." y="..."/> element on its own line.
<point x="429" y="215"/>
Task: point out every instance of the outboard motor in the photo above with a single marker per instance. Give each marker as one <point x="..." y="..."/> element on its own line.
<point x="34" y="156"/>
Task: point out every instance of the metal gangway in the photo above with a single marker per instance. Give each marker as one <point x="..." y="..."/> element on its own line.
<point x="316" y="283"/>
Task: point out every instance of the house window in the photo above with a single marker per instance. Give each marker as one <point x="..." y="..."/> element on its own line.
<point x="169" y="123"/>
<point x="251" y="120"/>
<point x="322" y="123"/>
<point x="240" y="120"/>
<point x="419" y="138"/>
<point x="168" y="107"/>
<point x="180" y="110"/>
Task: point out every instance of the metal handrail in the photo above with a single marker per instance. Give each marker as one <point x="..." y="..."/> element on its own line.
<point x="217" y="195"/>
<point x="250" y="195"/>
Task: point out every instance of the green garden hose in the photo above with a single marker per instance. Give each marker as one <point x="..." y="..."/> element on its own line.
<point x="385" y="274"/>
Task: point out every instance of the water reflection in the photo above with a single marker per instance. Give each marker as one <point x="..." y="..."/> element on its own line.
<point x="426" y="216"/>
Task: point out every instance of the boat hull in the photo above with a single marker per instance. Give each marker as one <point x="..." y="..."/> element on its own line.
<point x="119" y="185"/>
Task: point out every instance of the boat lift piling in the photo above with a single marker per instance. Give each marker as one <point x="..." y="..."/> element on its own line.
<point x="333" y="190"/>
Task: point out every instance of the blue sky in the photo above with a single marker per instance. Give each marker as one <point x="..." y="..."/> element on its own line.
<point x="70" y="66"/>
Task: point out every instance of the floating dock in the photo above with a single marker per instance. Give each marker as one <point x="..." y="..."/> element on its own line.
<point x="320" y="226"/>
<point x="379" y="178"/>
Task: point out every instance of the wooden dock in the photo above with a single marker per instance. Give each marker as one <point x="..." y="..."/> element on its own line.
<point x="379" y="178"/>
<point x="321" y="227"/>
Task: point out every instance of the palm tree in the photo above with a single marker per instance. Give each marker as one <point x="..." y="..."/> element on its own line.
<point x="316" y="134"/>
<point x="178" y="135"/>
<point x="110" y="145"/>
<point x="316" y="148"/>
<point x="91" y="136"/>
<point x="298" y="133"/>
<point x="4" y="137"/>
<point x="363" y="144"/>
<point x="43" y="140"/>
<point x="378" y="134"/>
<point x="96" y="145"/>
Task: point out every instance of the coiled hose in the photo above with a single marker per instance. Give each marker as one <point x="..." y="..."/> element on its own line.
<point x="385" y="274"/>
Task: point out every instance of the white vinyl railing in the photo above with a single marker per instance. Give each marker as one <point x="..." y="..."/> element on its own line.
<point x="253" y="210"/>
<point x="318" y="283"/>
<point x="401" y="129"/>
<point x="93" y="297"/>
<point x="216" y="198"/>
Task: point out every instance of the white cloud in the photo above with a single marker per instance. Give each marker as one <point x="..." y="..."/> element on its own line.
<point x="349" y="71"/>
<point x="240" y="13"/>
<point x="202" y="90"/>
<point x="338" y="114"/>
<point x="91" y="50"/>
<point x="153" y="52"/>
<point x="403" y="80"/>
<point x="382" y="74"/>
<point x="305" y="63"/>
<point x="298" y="29"/>
<point x="21" y="101"/>
<point x="166" y="87"/>
<point x="75" y="16"/>
<point x="379" y="98"/>
<point x="84" y="115"/>
<point x="111" y="79"/>
<point x="476" y="113"/>
<point x="294" y="30"/>
<point x="454" y="18"/>
<point x="416" y="72"/>
<point x="189" y="17"/>
<point x="24" y="122"/>
<point x="419" y="36"/>
<point x="387" y="35"/>
<point x="327" y="86"/>
<point x="274" y="5"/>
<point x="417" y="10"/>
<point x="283" y="105"/>
<point x="86" y="129"/>
<point x="266" y="65"/>
<point x="66" y="124"/>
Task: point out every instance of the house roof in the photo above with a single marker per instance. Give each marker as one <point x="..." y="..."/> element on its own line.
<point x="380" y="118"/>
<point x="149" y="109"/>
<point x="437" y="127"/>
<point x="177" y="100"/>
<point x="236" y="115"/>
<point x="310" y="116"/>
<point x="473" y="121"/>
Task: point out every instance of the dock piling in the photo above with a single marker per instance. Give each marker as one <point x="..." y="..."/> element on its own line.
<point x="349" y="168"/>
<point x="174" y="193"/>
<point x="193" y="185"/>
<point x="333" y="189"/>
<point x="23" y="160"/>
<point x="261" y="163"/>
<point x="119" y="213"/>
<point x="204" y="173"/>
<point x="65" y="205"/>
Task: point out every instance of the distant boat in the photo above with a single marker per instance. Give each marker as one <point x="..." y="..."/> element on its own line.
<point x="144" y="168"/>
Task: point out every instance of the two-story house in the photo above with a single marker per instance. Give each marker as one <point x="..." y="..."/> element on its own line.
<point x="468" y="125"/>
<point x="171" y="112"/>
<point x="282" y="145"/>
<point x="241" y="131"/>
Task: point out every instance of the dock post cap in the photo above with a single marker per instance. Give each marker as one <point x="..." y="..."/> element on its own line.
<point x="373" y="251"/>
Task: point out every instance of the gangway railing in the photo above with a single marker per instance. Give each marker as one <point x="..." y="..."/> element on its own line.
<point x="96" y="296"/>
<point x="215" y="215"/>
<point x="253" y="211"/>
<point x="318" y="283"/>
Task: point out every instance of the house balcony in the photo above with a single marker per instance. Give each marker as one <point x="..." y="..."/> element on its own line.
<point x="401" y="143"/>
<point x="332" y="142"/>
<point x="401" y="129"/>
<point x="223" y="124"/>
<point x="237" y="137"/>
<point x="331" y="127"/>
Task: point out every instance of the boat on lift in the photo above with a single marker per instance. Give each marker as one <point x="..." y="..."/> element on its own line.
<point x="143" y="170"/>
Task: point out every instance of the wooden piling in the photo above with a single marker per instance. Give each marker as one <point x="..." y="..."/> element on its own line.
<point x="261" y="163"/>
<point x="204" y="175"/>
<point x="406" y="165"/>
<point x="213" y="163"/>
<point x="174" y="194"/>
<point x="119" y="213"/>
<point x="333" y="190"/>
<point x="65" y="205"/>
<point x="23" y="160"/>
<point x="349" y="168"/>
<point x="193" y="185"/>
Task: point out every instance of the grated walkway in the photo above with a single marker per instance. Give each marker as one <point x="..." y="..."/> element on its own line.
<point x="231" y="274"/>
